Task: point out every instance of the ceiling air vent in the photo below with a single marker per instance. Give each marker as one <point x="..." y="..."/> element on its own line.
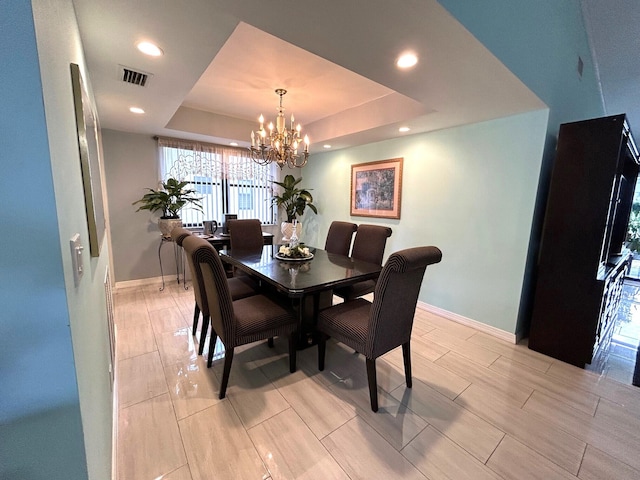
<point x="128" y="75"/>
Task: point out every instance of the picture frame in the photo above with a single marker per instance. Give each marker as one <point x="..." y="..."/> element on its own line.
<point x="376" y="188"/>
<point x="89" y="148"/>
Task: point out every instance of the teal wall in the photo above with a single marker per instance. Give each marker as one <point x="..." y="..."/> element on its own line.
<point x="469" y="190"/>
<point x="539" y="41"/>
<point x="487" y="215"/>
<point x="39" y="394"/>
<point x="55" y="398"/>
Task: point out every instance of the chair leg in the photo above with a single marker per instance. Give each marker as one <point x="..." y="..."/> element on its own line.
<point x="406" y="355"/>
<point x="212" y="347"/>
<point x="196" y="314"/>
<point x="373" y="383"/>
<point x="322" y="347"/>
<point x="270" y="342"/>
<point x="228" y="358"/>
<point x="292" y="351"/>
<point x="203" y="333"/>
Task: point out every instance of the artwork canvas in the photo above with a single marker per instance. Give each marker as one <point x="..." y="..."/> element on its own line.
<point x="376" y="188"/>
<point x="89" y="147"/>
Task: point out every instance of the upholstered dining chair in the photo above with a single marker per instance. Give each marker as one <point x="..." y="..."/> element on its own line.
<point x="246" y="235"/>
<point x="178" y="234"/>
<point x="368" y="246"/>
<point x="339" y="237"/>
<point x="238" y="322"/>
<point x="375" y="328"/>
<point x="238" y="288"/>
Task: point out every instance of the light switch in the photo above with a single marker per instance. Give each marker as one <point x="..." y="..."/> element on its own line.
<point x="77" y="258"/>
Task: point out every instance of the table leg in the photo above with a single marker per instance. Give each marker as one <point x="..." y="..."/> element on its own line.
<point x="308" y="308"/>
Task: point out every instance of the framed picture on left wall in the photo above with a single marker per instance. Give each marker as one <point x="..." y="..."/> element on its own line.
<point x="90" y="151"/>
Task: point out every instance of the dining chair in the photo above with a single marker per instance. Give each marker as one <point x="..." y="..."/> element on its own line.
<point x="178" y="234"/>
<point x="246" y="235"/>
<point x="373" y="329"/>
<point x="339" y="237"/>
<point x="238" y="322"/>
<point x="368" y="246"/>
<point x="238" y="287"/>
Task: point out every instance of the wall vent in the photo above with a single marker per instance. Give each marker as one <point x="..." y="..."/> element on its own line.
<point x="129" y="75"/>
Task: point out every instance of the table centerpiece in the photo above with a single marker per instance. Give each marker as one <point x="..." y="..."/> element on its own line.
<point x="294" y="253"/>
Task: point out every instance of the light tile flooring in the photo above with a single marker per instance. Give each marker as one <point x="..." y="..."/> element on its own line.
<point x="480" y="408"/>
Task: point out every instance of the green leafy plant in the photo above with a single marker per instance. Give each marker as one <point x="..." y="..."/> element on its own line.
<point x="294" y="200"/>
<point x="169" y="199"/>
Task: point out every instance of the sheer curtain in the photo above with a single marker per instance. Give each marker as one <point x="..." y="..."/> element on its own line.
<point x="226" y="179"/>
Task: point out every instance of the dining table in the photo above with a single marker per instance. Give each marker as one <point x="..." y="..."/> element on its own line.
<point x="307" y="282"/>
<point x="223" y="240"/>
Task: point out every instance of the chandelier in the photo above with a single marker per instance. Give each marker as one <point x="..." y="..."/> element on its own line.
<point x="279" y="145"/>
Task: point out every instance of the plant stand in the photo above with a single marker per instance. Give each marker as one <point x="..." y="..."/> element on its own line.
<point x="178" y="253"/>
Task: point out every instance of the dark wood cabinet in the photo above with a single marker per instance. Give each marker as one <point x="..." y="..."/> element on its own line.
<point x="582" y="259"/>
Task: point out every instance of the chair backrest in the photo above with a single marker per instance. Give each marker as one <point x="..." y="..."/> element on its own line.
<point x="339" y="237"/>
<point x="395" y="298"/>
<point x="178" y="234"/>
<point x="246" y="235"/>
<point x="215" y="289"/>
<point x="370" y="243"/>
<point x="190" y="243"/>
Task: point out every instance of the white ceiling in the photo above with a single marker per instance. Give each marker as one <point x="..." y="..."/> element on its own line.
<point x="224" y="59"/>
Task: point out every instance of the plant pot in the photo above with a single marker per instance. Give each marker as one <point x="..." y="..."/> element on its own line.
<point x="287" y="230"/>
<point x="168" y="224"/>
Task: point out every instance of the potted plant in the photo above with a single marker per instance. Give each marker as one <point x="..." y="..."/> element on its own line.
<point x="168" y="200"/>
<point x="294" y="200"/>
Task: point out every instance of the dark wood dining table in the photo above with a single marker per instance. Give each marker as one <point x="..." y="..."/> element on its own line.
<point x="309" y="283"/>
<point x="221" y="240"/>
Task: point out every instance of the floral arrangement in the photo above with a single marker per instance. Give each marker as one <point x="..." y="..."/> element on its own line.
<point x="297" y="251"/>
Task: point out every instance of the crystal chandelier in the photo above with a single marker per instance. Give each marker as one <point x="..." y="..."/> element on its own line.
<point x="279" y="145"/>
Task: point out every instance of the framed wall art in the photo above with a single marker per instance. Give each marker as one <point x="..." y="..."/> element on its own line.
<point x="89" y="147"/>
<point x="376" y="188"/>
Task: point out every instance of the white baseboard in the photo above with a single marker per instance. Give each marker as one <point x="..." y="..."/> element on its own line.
<point x="114" y="427"/>
<point x="483" y="327"/>
<point x="140" y="282"/>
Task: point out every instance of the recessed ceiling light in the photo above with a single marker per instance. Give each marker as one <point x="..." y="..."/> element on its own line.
<point x="326" y="145"/>
<point x="404" y="129"/>
<point x="233" y="144"/>
<point x="137" y="110"/>
<point x="150" y="49"/>
<point x="407" y="60"/>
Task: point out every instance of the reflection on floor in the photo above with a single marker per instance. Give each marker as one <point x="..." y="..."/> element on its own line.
<point x="480" y="408"/>
<point x="618" y="361"/>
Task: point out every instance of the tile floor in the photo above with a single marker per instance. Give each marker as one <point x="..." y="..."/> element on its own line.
<point x="480" y="408"/>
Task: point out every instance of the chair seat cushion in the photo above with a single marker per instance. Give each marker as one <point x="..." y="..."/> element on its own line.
<point x="240" y="287"/>
<point x="347" y="322"/>
<point x="356" y="290"/>
<point x="258" y="317"/>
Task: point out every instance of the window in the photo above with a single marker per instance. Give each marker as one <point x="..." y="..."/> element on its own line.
<point x="225" y="178"/>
